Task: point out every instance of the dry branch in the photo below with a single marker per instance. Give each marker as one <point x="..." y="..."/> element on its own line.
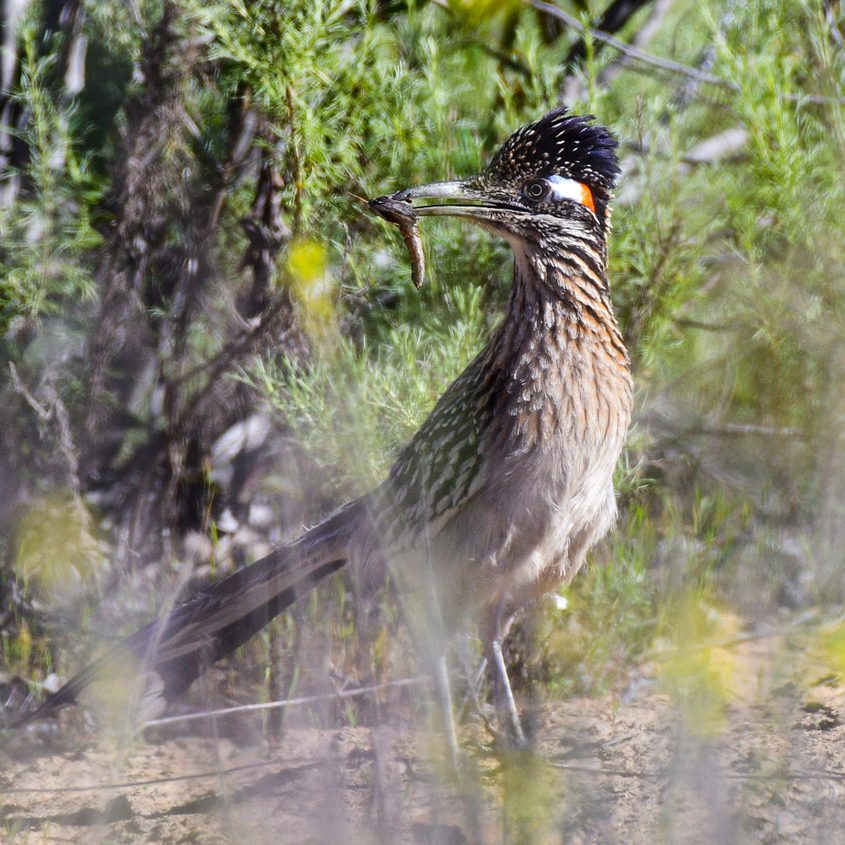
<point x="668" y="65"/>
<point x="612" y="19"/>
<point x="288" y="702"/>
<point x="633" y="52"/>
<point x="642" y="37"/>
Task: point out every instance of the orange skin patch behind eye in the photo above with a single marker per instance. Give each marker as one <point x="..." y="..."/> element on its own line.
<point x="587" y="197"/>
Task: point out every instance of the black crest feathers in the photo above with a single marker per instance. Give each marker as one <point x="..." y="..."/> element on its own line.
<point x="557" y="143"/>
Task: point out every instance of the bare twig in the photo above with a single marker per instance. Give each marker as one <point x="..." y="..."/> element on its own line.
<point x="612" y="19"/>
<point x="129" y="784"/>
<point x="640" y="39"/>
<point x="815" y="774"/>
<point x="503" y="57"/>
<point x="20" y="388"/>
<point x="633" y="52"/>
<point x="719" y="429"/>
<point x="727" y="144"/>
<point x="687" y="323"/>
<point x="52" y="409"/>
<point x="66" y="444"/>
<point x="743" y="430"/>
<point x="288" y="702"/>
<point x="618" y="773"/>
<point x="643" y="57"/>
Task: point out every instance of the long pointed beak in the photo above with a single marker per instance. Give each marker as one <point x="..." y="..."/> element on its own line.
<point x="459" y="199"/>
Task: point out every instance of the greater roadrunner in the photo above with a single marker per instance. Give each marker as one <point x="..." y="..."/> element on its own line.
<point x="497" y="498"/>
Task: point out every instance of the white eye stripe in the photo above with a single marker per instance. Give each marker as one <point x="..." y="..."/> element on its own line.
<point x="565" y="189"/>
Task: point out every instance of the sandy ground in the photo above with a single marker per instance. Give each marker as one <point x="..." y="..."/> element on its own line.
<point x="630" y="768"/>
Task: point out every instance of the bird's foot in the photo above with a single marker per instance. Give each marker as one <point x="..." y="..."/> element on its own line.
<point x="504" y="735"/>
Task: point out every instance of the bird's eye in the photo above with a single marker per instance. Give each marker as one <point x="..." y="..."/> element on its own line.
<point x="537" y="189"/>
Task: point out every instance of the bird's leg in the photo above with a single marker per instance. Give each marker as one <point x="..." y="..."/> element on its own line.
<point x="444" y="694"/>
<point x="506" y="713"/>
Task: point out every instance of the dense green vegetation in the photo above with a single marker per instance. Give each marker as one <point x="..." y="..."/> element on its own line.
<point x="182" y="245"/>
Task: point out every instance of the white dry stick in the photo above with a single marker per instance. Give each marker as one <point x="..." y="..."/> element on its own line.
<point x="287" y="702"/>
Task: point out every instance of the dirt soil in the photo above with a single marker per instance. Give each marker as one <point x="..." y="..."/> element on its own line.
<point x="630" y="768"/>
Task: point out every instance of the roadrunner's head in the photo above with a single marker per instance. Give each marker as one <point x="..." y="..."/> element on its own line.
<point x="551" y="180"/>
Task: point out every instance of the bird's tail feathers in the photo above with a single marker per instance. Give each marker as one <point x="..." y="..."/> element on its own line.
<point x="172" y="652"/>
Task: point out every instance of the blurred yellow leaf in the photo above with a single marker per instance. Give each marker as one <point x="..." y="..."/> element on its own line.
<point x="475" y="12"/>
<point x="57" y="551"/>
<point x="307" y="262"/>
<point x="311" y="285"/>
<point x="830" y="646"/>
<point x="23" y="643"/>
<point x="701" y="669"/>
